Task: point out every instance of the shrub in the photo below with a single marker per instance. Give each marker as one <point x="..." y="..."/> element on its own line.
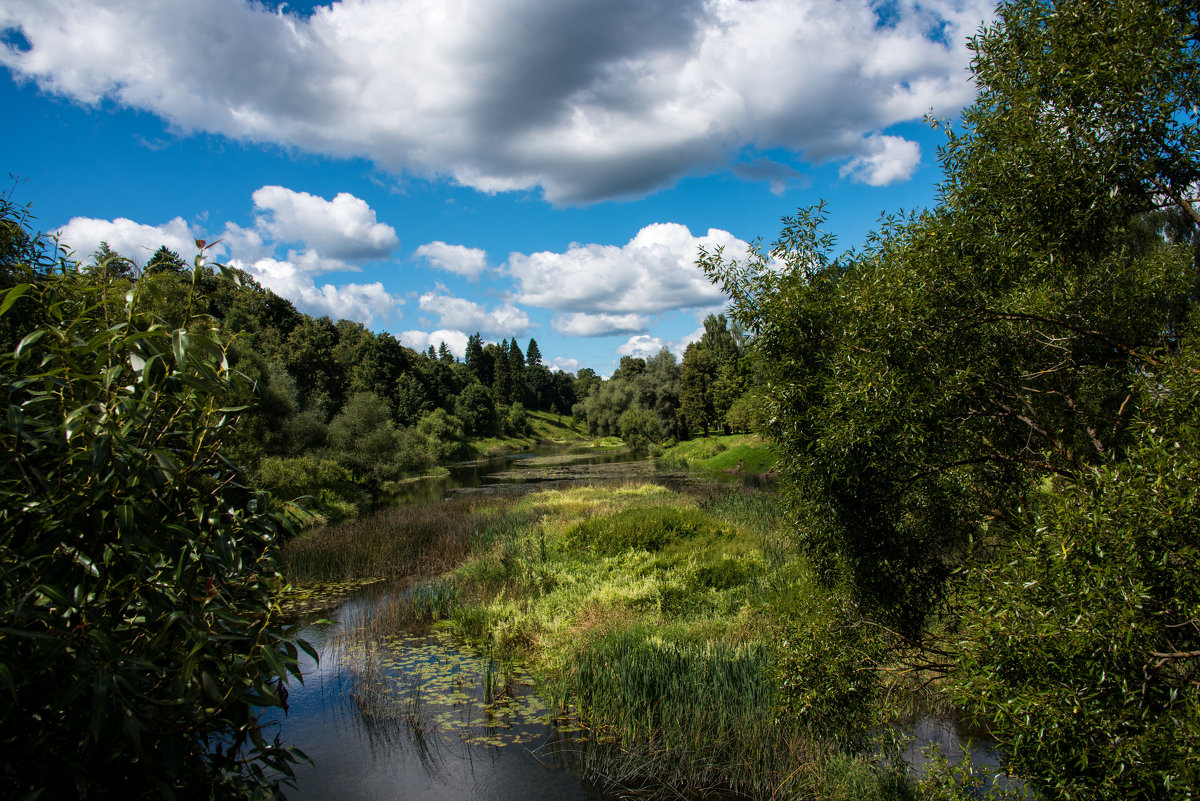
<point x="139" y="635"/>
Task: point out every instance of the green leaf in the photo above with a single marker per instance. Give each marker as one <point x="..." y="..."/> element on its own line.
<point x="12" y="295"/>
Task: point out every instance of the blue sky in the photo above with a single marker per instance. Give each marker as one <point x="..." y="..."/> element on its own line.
<point x="432" y="168"/>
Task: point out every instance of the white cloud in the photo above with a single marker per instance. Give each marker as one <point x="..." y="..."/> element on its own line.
<point x="680" y="345"/>
<point x="344" y="228"/>
<point x="641" y="345"/>
<point x="469" y="262"/>
<point x="133" y="240"/>
<point x="889" y="159"/>
<point x="587" y="99"/>
<point x="577" y="324"/>
<point x="364" y="303"/>
<point x="466" y="315"/>
<point x="654" y="272"/>
<point x="456" y="341"/>
<point x="563" y="365"/>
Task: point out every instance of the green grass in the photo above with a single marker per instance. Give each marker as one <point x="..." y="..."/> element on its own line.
<point x="547" y="428"/>
<point x="740" y="453"/>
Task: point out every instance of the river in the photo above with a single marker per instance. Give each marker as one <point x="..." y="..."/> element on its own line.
<point x="424" y="717"/>
<point x="421" y="718"/>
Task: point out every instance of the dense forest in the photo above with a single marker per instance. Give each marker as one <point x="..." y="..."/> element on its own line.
<point x="341" y="412"/>
<point x="988" y="424"/>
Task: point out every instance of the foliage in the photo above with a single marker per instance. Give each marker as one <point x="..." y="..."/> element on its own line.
<point x="140" y="637"/>
<point x="444" y="434"/>
<point x="1087" y="624"/>
<point x="363" y="438"/>
<point x="322" y="486"/>
<point x="477" y="410"/>
<point x="970" y="412"/>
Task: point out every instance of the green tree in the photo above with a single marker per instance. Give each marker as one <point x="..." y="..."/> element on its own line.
<point x="139" y="635"/>
<point x="979" y="386"/>
<point x="477" y="410"/>
<point x="444" y="433"/>
<point x="165" y="260"/>
<point x="533" y="354"/>
<point x="363" y="438"/>
<point x="696" y="378"/>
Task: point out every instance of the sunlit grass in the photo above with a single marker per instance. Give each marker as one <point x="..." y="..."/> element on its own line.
<point x="740" y="453"/>
<point x="650" y="615"/>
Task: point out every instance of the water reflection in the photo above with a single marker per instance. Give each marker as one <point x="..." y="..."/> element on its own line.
<point x="524" y="467"/>
<point x="421" y="717"/>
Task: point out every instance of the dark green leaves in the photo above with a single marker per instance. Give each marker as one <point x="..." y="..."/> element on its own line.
<point x="139" y="635"/>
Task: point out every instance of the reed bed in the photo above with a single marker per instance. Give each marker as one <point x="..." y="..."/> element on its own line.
<point x="680" y="718"/>
<point x="404" y="540"/>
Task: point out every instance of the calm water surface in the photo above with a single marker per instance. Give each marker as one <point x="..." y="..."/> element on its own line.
<point x="425" y="718"/>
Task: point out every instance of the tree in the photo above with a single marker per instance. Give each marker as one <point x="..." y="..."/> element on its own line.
<point x="696" y="378"/>
<point x="477" y="410"/>
<point x="502" y="379"/>
<point x="473" y="358"/>
<point x="363" y="438"/>
<point x="968" y="408"/>
<point x="533" y="354"/>
<point x="139" y="633"/>
<point x="110" y="264"/>
<point x="165" y="260"/>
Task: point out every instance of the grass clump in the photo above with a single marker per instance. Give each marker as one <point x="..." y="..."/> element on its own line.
<point x="740" y="453"/>
<point x="689" y="714"/>
<point x="645" y="529"/>
<point x="404" y="540"/>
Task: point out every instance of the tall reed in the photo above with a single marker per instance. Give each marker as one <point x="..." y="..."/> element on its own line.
<point x="680" y="717"/>
<point x="402" y="540"/>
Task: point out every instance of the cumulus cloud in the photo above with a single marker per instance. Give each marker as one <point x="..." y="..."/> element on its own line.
<point x="578" y="324"/>
<point x="889" y="159"/>
<point x="680" y="345"/>
<point x="564" y="365"/>
<point x="654" y="272"/>
<point x="343" y="229"/>
<point x="329" y="232"/>
<point x="462" y="314"/>
<point x="456" y="341"/>
<point x="468" y="262"/>
<point x="135" y="241"/>
<point x="641" y="345"/>
<point x="364" y="303"/>
<point x="586" y="99"/>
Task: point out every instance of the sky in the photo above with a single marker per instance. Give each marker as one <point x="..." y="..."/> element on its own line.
<point x="543" y="169"/>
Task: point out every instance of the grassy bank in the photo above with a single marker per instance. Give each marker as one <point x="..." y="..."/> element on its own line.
<point x="737" y="453"/>
<point x="545" y="427"/>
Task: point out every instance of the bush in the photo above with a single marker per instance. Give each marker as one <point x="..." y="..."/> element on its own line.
<point x="139" y="635"/>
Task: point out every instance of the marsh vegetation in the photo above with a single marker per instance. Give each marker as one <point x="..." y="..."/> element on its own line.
<point x="644" y="626"/>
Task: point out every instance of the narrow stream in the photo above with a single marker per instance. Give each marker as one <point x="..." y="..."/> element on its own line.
<point x="423" y="717"/>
